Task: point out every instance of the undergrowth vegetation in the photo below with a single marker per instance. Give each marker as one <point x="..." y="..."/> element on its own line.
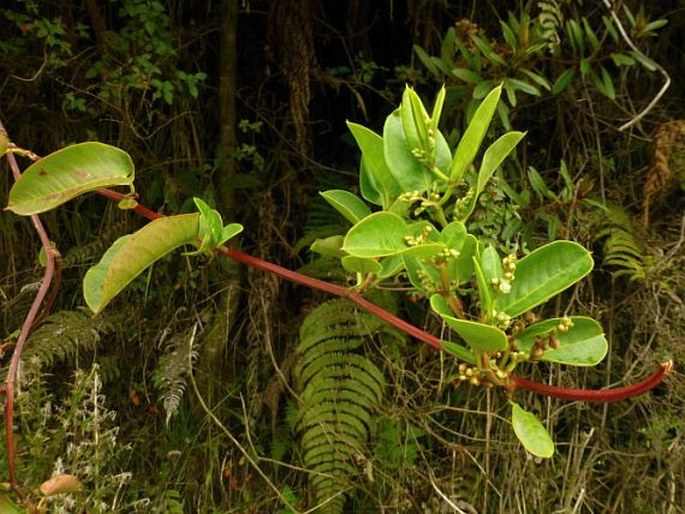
<point x="208" y="386"/>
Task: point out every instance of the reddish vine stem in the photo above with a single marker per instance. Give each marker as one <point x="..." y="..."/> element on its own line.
<point x="601" y="395"/>
<point x="515" y="381"/>
<point x="29" y="323"/>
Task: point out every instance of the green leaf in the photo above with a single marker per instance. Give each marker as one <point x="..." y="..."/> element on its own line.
<point x="480" y="91"/>
<point x="229" y="232"/>
<point x="378" y="235"/>
<point x="524" y="86"/>
<point x="604" y="83"/>
<point x="367" y="186"/>
<point x="621" y="59"/>
<point x="646" y="62"/>
<point x="532" y="434"/>
<point x="360" y="265"/>
<point x="4" y="142"/>
<point x="509" y="36"/>
<point x="467" y="75"/>
<point x="68" y="173"/>
<point x="211" y="231"/>
<point x="130" y="255"/>
<point x="653" y="25"/>
<point x="576" y="36"/>
<point x="611" y="29"/>
<point x="414" y="119"/>
<point x="473" y="136"/>
<point x="491" y="264"/>
<point x="7" y="506"/>
<point x="484" y="291"/>
<point x="391" y="266"/>
<point x="437" y="112"/>
<point x="455" y="237"/>
<point x="563" y="81"/>
<point x="376" y="177"/>
<point x="486" y="49"/>
<point x="426" y="60"/>
<point x="591" y="36"/>
<point x="410" y="173"/>
<point x="459" y="351"/>
<point x="539" y="79"/>
<point x="347" y="204"/>
<point x="493" y="157"/>
<point x="480" y="337"/>
<point x="539" y="185"/>
<point x="544" y="273"/>
<point x="329" y="246"/>
<point x="583" y="345"/>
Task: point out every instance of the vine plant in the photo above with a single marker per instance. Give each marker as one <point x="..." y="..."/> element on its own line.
<point x="423" y="195"/>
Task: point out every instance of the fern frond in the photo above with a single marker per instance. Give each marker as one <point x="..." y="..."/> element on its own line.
<point x="172" y="370"/>
<point x="62" y="335"/>
<point x="622" y="248"/>
<point x="550" y="18"/>
<point x="339" y="390"/>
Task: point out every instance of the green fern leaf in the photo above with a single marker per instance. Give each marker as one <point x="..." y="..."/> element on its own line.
<point x="339" y="391"/>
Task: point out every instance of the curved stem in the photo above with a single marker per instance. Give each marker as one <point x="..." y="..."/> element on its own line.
<point x="605" y="395"/>
<point x="602" y="395"/>
<point x="29" y="322"/>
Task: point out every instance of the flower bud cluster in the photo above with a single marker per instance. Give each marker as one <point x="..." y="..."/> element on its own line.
<point x="565" y="324"/>
<point x="502" y="319"/>
<point x="470" y="373"/>
<point x="427" y="283"/>
<point x="419" y="239"/>
<point x="503" y="283"/>
<point x="462" y="204"/>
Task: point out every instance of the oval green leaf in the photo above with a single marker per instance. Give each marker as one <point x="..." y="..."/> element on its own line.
<point x="68" y="173"/>
<point x="490" y="264"/>
<point x="531" y="432"/>
<point x="378" y="235"/>
<point x="544" y="273"/>
<point x="347" y="204"/>
<point x="480" y="337"/>
<point x="329" y="246"/>
<point x="583" y="345"/>
<point x="410" y="173"/>
<point x="130" y="255"/>
<point x="360" y="265"/>
<point x="459" y="351"/>
<point x="455" y="237"/>
<point x="377" y="183"/>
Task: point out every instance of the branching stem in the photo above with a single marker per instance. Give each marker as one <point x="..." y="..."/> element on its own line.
<point x="605" y="395"/>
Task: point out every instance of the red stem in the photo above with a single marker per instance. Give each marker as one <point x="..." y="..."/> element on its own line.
<point x="587" y="395"/>
<point x="605" y="395"/>
<point x="30" y="320"/>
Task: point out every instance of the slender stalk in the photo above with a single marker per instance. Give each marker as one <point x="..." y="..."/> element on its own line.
<point x="52" y="266"/>
<point x="604" y="395"/>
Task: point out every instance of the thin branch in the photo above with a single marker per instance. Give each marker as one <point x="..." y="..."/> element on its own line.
<point x="663" y="89"/>
<point x="604" y="395"/>
<point x="29" y="322"/>
<point x="600" y="395"/>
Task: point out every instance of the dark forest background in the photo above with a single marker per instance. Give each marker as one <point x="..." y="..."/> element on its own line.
<point x="244" y="103"/>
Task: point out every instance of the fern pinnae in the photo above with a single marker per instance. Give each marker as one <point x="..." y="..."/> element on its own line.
<point x="339" y="390"/>
<point x="172" y="370"/>
<point x="62" y="336"/>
